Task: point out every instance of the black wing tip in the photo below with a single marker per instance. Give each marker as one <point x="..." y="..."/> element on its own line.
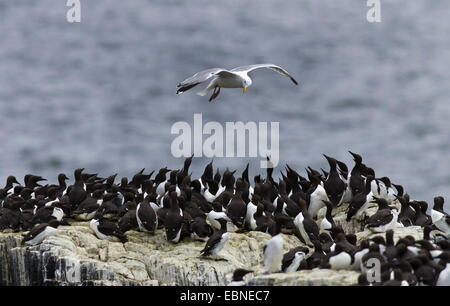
<point x="294" y="81"/>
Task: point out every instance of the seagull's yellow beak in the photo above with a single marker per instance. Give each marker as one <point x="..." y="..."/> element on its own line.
<point x="245" y="89"/>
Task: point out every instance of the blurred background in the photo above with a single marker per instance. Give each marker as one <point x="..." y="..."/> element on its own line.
<point x="100" y="94"/>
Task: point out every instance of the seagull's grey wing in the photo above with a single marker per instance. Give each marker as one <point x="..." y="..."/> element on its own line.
<point x="276" y="68"/>
<point x="197" y="78"/>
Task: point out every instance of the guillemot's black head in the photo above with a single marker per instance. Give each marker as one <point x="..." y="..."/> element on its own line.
<point x="78" y="174"/>
<point x="161" y="176"/>
<point x="356" y="157"/>
<point x="11" y="180"/>
<point x="31" y="181"/>
<point x="208" y="172"/>
<point x="382" y="203"/>
<point x="245" y="174"/>
<point x="324" y="237"/>
<point x="438" y="204"/>
<point x="399" y="189"/>
<point x="386" y="181"/>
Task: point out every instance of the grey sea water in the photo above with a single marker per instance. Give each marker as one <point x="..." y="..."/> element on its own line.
<point x="100" y="94"/>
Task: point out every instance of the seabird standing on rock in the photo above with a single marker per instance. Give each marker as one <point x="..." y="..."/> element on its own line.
<point x="40" y="232"/>
<point x="217" y="213"/>
<point x="217" y="240"/>
<point x="439" y="217"/>
<point x="128" y="221"/>
<point x="327" y="222"/>
<point x="421" y="217"/>
<point x="273" y="248"/>
<point x="334" y="185"/>
<point x="174" y="220"/>
<point x="292" y="259"/>
<point x="199" y="228"/>
<point x="339" y="259"/>
<point x="407" y="214"/>
<point x="384" y="189"/>
<point x="356" y="180"/>
<point x="237" y="210"/>
<point x="306" y="226"/>
<point x="146" y="217"/>
<point x="106" y="230"/>
<point x="222" y="78"/>
<point x="361" y="200"/>
<point x="384" y="219"/>
<point x="76" y="192"/>
<point x="317" y="196"/>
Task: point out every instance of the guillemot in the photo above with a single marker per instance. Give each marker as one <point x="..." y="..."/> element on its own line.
<point x="173" y="220"/>
<point x="334" y="186"/>
<point x="439" y="217"/>
<point x="384" y="219"/>
<point x="273" y="248"/>
<point x="146" y="217"/>
<point x="292" y="259"/>
<point x="106" y="229"/>
<point x="217" y="240"/>
<point x="40" y="232"/>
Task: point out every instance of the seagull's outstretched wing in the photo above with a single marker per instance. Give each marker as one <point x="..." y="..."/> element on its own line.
<point x="270" y="66"/>
<point x="197" y="78"/>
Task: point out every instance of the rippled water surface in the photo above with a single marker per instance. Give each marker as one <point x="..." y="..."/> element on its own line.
<point x="101" y="94"/>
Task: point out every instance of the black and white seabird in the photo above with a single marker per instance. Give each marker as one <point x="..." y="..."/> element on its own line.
<point x="356" y="180"/>
<point x="361" y="200"/>
<point x="317" y="196"/>
<point x="334" y="186"/>
<point x="407" y="214"/>
<point x="77" y="192"/>
<point x="383" y="189"/>
<point x="273" y="248"/>
<point x="237" y="210"/>
<point x="421" y="217"/>
<point x="106" y="230"/>
<point x="200" y="229"/>
<point x="339" y="259"/>
<point x="217" y="213"/>
<point x="128" y="221"/>
<point x="217" y="240"/>
<point x="439" y="217"/>
<point x="362" y="250"/>
<point x="46" y="213"/>
<point x="40" y="232"/>
<point x="327" y="222"/>
<point x="89" y="206"/>
<point x="292" y="259"/>
<point x="384" y="219"/>
<point x="307" y="227"/>
<point x="174" y="220"/>
<point x="146" y="217"/>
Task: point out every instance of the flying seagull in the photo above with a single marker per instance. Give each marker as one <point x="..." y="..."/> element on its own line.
<point x="234" y="78"/>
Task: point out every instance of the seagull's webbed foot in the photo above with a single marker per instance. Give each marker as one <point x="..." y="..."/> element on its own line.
<point x="215" y="94"/>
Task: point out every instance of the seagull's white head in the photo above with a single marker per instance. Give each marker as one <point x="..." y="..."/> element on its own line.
<point x="246" y="83"/>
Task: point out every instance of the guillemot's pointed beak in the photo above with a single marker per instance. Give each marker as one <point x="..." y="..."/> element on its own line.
<point x="245" y="89"/>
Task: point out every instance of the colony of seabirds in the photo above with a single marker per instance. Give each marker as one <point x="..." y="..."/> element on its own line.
<point x="215" y="204"/>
